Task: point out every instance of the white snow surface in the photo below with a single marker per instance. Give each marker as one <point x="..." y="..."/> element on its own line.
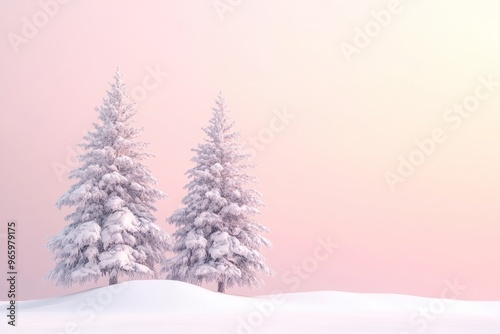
<point x="161" y="306"/>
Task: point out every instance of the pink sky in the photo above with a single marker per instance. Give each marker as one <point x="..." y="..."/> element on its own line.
<point x="321" y="175"/>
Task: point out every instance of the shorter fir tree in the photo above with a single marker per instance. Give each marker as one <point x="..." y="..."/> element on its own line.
<point x="217" y="239"/>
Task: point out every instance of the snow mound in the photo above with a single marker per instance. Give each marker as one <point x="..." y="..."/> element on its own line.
<point x="174" y="307"/>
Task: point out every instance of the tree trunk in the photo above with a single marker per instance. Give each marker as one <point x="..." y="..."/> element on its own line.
<point x="113" y="279"/>
<point x="221" y="287"/>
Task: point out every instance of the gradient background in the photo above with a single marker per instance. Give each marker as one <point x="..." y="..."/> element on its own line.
<point x="322" y="175"/>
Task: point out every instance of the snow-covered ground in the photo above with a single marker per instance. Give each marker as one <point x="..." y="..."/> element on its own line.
<point x="173" y="307"/>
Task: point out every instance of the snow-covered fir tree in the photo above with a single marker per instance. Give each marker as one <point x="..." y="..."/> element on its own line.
<point x="112" y="230"/>
<point x="217" y="239"/>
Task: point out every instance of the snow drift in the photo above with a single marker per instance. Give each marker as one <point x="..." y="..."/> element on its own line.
<point x="175" y="307"/>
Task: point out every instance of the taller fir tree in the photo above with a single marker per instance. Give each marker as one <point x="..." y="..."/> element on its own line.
<point x="112" y="230"/>
<point x="218" y="239"/>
